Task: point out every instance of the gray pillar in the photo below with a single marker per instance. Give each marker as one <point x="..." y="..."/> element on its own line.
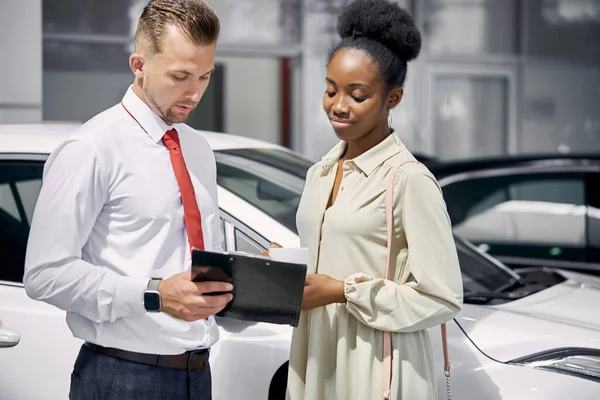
<point x="20" y="61"/>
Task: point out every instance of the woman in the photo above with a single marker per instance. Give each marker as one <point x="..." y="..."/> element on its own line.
<point x="337" y="348"/>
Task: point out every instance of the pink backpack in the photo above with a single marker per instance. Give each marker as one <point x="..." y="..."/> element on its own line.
<point x="387" y="336"/>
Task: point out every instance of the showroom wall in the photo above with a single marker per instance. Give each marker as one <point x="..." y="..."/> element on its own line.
<point x="20" y="61"/>
<point x="494" y="77"/>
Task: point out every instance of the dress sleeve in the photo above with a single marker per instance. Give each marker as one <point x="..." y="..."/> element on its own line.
<point x="432" y="294"/>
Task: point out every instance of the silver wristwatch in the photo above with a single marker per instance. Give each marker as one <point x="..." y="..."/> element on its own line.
<point x="152" y="300"/>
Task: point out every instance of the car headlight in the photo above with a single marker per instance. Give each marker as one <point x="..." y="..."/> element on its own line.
<point x="580" y="362"/>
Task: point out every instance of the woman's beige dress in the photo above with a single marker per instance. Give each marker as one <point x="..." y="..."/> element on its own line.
<point x="337" y="350"/>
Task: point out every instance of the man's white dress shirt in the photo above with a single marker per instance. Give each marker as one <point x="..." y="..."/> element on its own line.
<point x="109" y="217"/>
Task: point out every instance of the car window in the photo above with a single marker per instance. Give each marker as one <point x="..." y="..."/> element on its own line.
<point x="270" y="180"/>
<point x="244" y="243"/>
<point x="242" y="238"/>
<point x="7" y="201"/>
<point x="534" y="216"/>
<point x="480" y="272"/>
<point x="20" y="183"/>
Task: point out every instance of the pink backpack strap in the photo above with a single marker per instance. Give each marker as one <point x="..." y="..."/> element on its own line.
<point x="387" y="336"/>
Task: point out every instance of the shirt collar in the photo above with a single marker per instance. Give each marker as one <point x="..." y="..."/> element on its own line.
<point x="370" y="159"/>
<point x="148" y="120"/>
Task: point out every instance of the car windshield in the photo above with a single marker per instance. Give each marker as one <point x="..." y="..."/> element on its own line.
<point x="272" y="180"/>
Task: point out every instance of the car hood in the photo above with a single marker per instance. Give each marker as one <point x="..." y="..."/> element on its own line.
<point x="564" y="315"/>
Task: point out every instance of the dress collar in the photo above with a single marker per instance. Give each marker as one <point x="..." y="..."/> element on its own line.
<point x="370" y="159"/>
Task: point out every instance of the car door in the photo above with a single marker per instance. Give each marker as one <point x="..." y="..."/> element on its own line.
<point x="257" y="352"/>
<point x="524" y="216"/>
<point x="46" y="347"/>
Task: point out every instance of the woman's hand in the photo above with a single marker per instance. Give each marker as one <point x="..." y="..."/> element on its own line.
<point x="321" y="290"/>
<point x="273" y="245"/>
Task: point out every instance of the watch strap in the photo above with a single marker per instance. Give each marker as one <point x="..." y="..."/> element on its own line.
<point x="153" y="284"/>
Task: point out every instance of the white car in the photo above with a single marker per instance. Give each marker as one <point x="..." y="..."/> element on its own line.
<point x="535" y="335"/>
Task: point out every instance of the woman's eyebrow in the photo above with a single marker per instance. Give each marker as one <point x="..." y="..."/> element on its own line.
<point x="352" y="85"/>
<point x="355" y="85"/>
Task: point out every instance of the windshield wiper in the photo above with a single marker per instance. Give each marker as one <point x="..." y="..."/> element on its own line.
<point x="485" y="297"/>
<point x="514" y="284"/>
<point x="515" y="292"/>
<point x="492" y="295"/>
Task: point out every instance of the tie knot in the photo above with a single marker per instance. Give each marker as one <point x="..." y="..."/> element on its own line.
<point x="171" y="139"/>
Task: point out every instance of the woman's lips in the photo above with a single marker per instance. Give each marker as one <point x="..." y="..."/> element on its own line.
<point x="340" y="123"/>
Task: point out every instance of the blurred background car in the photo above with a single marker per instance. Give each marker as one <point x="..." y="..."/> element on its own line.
<point x="536" y="210"/>
<point x="533" y="334"/>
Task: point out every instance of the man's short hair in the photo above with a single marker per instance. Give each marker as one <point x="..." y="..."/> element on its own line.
<point x="194" y="18"/>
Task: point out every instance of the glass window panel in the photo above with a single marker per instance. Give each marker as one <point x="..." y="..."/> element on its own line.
<point x="560" y="107"/>
<point x="245" y="244"/>
<point x="242" y="21"/>
<point x="73" y="56"/>
<point x="567" y="29"/>
<point x="480" y="273"/>
<point x="518" y="215"/>
<point x="26" y="178"/>
<point x="108" y="17"/>
<point x="8" y="205"/>
<point x="470" y="26"/>
<point x="91" y="77"/>
<point x="470" y="115"/>
<point x="258" y="21"/>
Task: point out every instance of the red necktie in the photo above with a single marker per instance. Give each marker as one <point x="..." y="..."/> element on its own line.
<point x="191" y="212"/>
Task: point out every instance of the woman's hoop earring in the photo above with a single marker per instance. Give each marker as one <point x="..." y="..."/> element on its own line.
<point x="390" y="121"/>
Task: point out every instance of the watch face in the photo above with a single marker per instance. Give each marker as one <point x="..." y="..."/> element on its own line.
<point x="152" y="301"/>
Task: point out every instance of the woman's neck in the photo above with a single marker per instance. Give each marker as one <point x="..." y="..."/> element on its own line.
<point x="365" y="143"/>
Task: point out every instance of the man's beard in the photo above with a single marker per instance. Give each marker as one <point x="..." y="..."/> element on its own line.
<point x="167" y="115"/>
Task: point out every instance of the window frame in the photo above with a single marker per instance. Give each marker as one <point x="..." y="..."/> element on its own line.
<point x="231" y="225"/>
<point x="472" y="69"/>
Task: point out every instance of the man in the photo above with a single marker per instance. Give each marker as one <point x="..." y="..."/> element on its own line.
<point x="123" y="202"/>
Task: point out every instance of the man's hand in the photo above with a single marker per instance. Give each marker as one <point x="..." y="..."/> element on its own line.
<point x="321" y="290"/>
<point x="186" y="300"/>
<point x="273" y="245"/>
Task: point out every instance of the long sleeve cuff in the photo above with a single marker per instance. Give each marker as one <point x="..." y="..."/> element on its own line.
<point x="129" y="297"/>
<point x="355" y="294"/>
<point x="387" y="306"/>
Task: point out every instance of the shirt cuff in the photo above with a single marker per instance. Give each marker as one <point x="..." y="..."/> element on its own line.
<point x="129" y="297"/>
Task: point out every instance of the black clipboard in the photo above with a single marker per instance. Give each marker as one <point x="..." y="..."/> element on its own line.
<point x="263" y="290"/>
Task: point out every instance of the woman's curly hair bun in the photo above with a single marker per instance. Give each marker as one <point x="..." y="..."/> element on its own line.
<point x="384" y="22"/>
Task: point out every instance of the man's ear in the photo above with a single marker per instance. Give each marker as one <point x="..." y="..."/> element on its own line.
<point x="394" y="97"/>
<point x="136" y="63"/>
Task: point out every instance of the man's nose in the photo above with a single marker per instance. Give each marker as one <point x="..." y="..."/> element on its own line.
<point x="195" y="92"/>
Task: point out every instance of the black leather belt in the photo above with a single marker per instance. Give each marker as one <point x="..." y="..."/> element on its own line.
<point x="190" y="360"/>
